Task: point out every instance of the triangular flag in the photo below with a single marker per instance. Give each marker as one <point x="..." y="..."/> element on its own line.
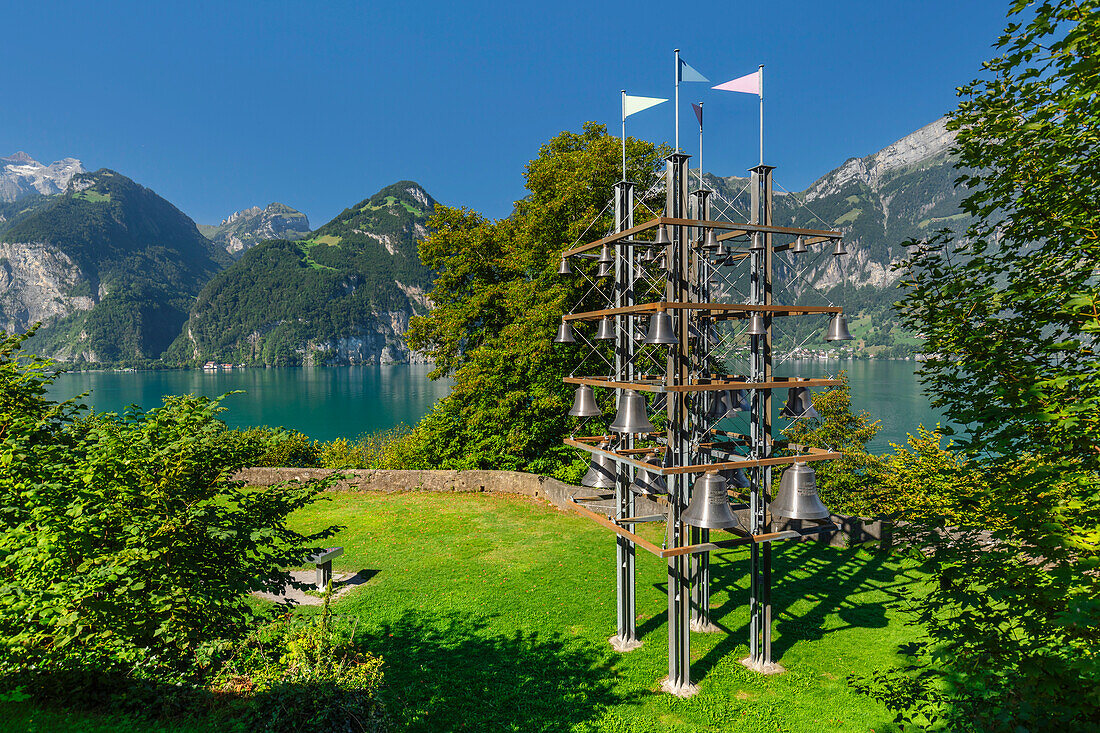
<point x="637" y="104"/>
<point x="749" y="84"/>
<point x="689" y="74"/>
<point x="698" y="112"/>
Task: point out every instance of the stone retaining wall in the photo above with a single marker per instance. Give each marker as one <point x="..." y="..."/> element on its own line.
<point x="854" y="530"/>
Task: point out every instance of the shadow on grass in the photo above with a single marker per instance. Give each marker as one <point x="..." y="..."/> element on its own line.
<point x="451" y="672"/>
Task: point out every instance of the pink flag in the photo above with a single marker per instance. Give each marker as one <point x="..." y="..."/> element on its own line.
<point x="749" y="84"/>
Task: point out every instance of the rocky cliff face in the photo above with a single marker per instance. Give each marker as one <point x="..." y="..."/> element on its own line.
<point x="21" y="175"/>
<point x="244" y="229"/>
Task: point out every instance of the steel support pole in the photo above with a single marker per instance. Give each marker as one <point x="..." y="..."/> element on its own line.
<point x="679" y="438"/>
<point x="700" y="282"/>
<point x="626" y="637"/>
<point x="760" y="558"/>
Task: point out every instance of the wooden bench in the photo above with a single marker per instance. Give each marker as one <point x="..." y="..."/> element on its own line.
<point x="323" y="561"/>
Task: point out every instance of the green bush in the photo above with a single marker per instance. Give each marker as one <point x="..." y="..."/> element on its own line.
<point x="304" y="674"/>
<point x="288" y="448"/>
<point x="125" y="545"/>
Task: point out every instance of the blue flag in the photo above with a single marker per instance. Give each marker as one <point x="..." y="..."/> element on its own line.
<point x="687" y="73"/>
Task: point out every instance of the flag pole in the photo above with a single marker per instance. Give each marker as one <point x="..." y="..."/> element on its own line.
<point x="761" y="114"/>
<point x="701" y="184"/>
<point x="676" y="104"/>
<point x="624" y="134"/>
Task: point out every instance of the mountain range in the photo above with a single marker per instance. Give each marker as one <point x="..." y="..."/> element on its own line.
<point x="118" y="275"/>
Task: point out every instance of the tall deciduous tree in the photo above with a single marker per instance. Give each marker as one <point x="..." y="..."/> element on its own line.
<point x="1011" y="315"/>
<point x="497" y="302"/>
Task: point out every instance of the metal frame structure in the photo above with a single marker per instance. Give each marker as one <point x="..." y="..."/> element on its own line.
<point x="678" y="279"/>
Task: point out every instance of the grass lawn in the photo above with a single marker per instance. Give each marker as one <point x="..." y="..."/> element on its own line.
<point x="493" y="613"/>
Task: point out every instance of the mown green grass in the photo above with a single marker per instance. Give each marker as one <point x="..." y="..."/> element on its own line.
<point x="493" y="613"/>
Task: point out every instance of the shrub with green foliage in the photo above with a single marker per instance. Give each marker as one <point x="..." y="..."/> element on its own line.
<point x="125" y="545"/>
<point x="304" y="674"/>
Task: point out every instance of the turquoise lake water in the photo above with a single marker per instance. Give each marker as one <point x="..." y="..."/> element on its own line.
<point x="327" y="403"/>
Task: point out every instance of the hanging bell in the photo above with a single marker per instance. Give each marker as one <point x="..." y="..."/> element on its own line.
<point x="838" y="329"/>
<point x="565" y="334"/>
<point x="756" y="325"/>
<point x="757" y="241"/>
<point x="799" y="404"/>
<point x="838" y="248"/>
<point x="601" y="471"/>
<point x="711" y="241"/>
<point x="719" y="406"/>
<point x="739" y="399"/>
<point x="631" y="416"/>
<point x="605" y="255"/>
<point x="584" y="403"/>
<point x="662" y="236"/>
<point x="710" y="505"/>
<point x="735" y="477"/>
<point x="648" y="483"/>
<point x="565" y="268"/>
<point x="797" y="497"/>
<point x="799" y="245"/>
<point x="606" y="270"/>
<point x="647" y="255"/>
<point x="660" y="329"/>
<point x="606" y="331"/>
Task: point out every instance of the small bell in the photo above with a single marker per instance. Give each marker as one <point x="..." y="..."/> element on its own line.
<point x="662" y="236"/>
<point x="606" y="331"/>
<point x="647" y="483"/>
<point x="710" y="506"/>
<point x="757" y="241"/>
<point x="584" y="403"/>
<point x="631" y="416"/>
<point x="711" y="241"/>
<point x="797" y="497"/>
<point x="756" y="325"/>
<point x="719" y="407"/>
<point x="606" y="270"/>
<point x="601" y="471"/>
<point x="739" y="398"/>
<point x="565" y="334"/>
<point x="605" y="255"/>
<point x="660" y="329"/>
<point x="565" y="268"/>
<point x="799" y="404"/>
<point x="799" y="245"/>
<point x="838" y="248"/>
<point x="838" y="329"/>
<point x="735" y="477"/>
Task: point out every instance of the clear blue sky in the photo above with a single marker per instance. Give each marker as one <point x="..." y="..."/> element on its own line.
<point x="222" y="105"/>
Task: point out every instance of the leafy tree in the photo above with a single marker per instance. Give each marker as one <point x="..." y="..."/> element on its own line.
<point x="1011" y="315"/>
<point x="497" y="302"/>
<point x="125" y="545"/>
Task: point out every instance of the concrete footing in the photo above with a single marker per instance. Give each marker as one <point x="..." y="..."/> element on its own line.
<point x="770" y="668"/>
<point x="623" y="646"/>
<point x="685" y="691"/>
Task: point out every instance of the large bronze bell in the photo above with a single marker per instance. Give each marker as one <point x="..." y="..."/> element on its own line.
<point x="662" y="236"/>
<point x="799" y="404"/>
<point x="660" y="329"/>
<point x="756" y="325"/>
<point x="584" y="403"/>
<point x="797" y="497"/>
<point x="565" y="334"/>
<point x="838" y="329"/>
<point x="606" y="330"/>
<point x="601" y="471"/>
<point x="648" y="483"/>
<point x="710" y="505"/>
<point x="631" y="416"/>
